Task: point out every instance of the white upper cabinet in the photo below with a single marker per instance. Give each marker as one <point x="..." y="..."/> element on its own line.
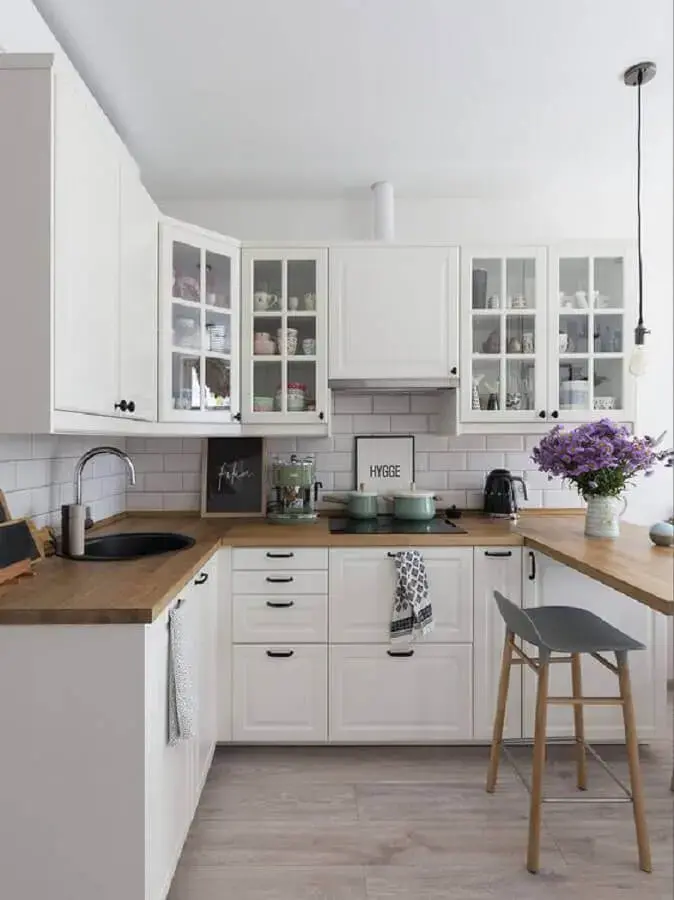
<point x="77" y="252"/>
<point x="592" y="315"/>
<point x="198" y="325"/>
<point x="138" y="236"/>
<point x="393" y="312"/>
<point x="503" y="334"/>
<point x="284" y="338"/>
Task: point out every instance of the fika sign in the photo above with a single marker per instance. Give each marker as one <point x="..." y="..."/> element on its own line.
<point x="385" y="463"/>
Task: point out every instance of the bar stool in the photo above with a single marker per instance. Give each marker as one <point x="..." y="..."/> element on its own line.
<point x="571" y="631"/>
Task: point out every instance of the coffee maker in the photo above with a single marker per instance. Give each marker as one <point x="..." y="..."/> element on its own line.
<point x="294" y="490"/>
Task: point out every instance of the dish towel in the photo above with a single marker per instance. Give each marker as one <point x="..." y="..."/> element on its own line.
<point x="181" y="699"/>
<point x="412" y="612"/>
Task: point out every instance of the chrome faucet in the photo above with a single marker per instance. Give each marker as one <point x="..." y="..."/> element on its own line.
<point x="73" y="514"/>
<point x="99" y="451"/>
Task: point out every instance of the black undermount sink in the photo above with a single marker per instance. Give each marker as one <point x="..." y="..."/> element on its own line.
<point x="133" y="545"/>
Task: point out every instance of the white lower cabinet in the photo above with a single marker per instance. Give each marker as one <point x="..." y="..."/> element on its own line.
<point x="280" y="693"/>
<point x="362" y="586"/>
<point x="555" y="585"/>
<point x="302" y="619"/>
<point x="382" y="694"/>
<point x="495" y="569"/>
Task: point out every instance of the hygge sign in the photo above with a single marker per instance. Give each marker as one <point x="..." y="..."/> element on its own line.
<point x="385" y="463"/>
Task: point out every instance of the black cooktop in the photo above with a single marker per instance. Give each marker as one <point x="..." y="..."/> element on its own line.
<point x="389" y="525"/>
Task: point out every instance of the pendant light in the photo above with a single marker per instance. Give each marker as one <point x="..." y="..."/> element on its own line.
<point x="636" y="76"/>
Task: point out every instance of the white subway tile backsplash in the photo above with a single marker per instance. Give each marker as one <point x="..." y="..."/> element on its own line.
<point x="148" y="462"/>
<point x="344" y="481"/>
<point x="352" y="403"/>
<point x="421" y="462"/>
<point x="343" y="443"/>
<point x="533" y="501"/>
<point x="371" y="424"/>
<point x="431" y="481"/>
<point x="314" y="445"/>
<point x="391" y="403"/>
<point x="542" y="481"/>
<point x="452" y="498"/>
<point x="15" y="446"/>
<point x="163" y="481"/>
<point x="342" y="425"/>
<point x="182" y="462"/>
<point x="32" y="473"/>
<point x="409" y="424"/>
<point x="334" y="462"/>
<point x="144" y="501"/>
<point x="193" y="445"/>
<point x="520" y="461"/>
<point x="447" y="461"/>
<point x="432" y="442"/>
<point x="189" y="501"/>
<point x="20" y="504"/>
<point x="466" y="442"/>
<point x="425" y="403"/>
<point x="327" y="480"/>
<point x="512" y="442"/>
<point x="164" y="445"/>
<point x="531" y="441"/>
<point x="562" y="499"/>
<point x="466" y="480"/>
<point x="191" y="481"/>
<point x="281" y="445"/>
<point x="474" y="499"/>
<point x="7" y="476"/>
<point x="486" y="461"/>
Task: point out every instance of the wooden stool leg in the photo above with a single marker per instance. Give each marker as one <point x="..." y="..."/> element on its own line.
<point x="579" y="725"/>
<point x="499" y="717"/>
<point x="632" y="744"/>
<point x="534" y="848"/>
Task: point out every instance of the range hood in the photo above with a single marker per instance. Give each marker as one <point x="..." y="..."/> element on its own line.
<point x="393" y="385"/>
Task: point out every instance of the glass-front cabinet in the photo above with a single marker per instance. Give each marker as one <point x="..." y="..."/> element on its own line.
<point x="503" y="315"/>
<point x="284" y="336"/>
<point x="591" y="330"/>
<point x="199" y="325"/>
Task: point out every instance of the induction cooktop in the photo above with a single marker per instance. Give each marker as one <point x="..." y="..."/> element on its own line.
<point x="389" y="525"/>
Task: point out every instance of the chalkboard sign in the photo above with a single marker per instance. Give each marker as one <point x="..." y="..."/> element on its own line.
<point x="18" y="542"/>
<point x="233" y="477"/>
<point x="4" y="509"/>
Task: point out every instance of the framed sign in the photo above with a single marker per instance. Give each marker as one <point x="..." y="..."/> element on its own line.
<point x="233" y="478"/>
<point x="385" y="463"/>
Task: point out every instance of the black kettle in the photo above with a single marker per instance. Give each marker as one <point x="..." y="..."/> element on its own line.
<point x="500" y="496"/>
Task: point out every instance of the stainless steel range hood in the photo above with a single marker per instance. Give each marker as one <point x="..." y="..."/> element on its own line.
<point x="394" y="385"/>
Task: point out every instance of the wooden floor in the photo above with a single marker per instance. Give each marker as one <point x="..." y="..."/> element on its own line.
<point x="414" y="824"/>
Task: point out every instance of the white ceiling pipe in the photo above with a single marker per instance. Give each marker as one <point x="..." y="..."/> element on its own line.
<point x="384" y="217"/>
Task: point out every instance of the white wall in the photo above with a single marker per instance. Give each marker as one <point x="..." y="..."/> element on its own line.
<point x="529" y="220"/>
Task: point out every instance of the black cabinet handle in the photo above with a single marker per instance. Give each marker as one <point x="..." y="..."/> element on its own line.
<point x="401" y="653"/>
<point x="554" y="414"/>
<point x="237" y="417"/>
<point x="202" y="579"/>
<point x="498" y="553"/>
<point x="542" y="414"/>
<point x="123" y="406"/>
<point x="392" y="555"/>
<point x="131" y="406"/>
<point x="280" y="555"/>
<point x="454" y="371"/>
<point x="532" y="569"/>
<point x="280" y="654"/>
<point x="280" y="580"/>
<point x="283" y="605"/>
<point x="321" y="415"/>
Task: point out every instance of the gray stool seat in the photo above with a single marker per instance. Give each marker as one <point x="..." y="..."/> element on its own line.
<point x="567" y="629"/>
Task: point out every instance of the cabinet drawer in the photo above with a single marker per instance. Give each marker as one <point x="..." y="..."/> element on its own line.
<point x="280" y="558"/>
<point x="378" y="697"/>
<point x="302" y="618"/>
<point x="362" y="586"/>
<point x="280" y="693"/>
<point x="275" y="582"/>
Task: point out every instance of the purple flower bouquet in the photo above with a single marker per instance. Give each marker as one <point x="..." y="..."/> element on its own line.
<point x="599" y="458"/>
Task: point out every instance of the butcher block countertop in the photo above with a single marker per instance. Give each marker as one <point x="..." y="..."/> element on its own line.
<point x="136" y="591"/>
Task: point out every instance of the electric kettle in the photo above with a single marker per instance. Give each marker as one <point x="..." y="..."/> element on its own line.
<point x="500" y="496"/>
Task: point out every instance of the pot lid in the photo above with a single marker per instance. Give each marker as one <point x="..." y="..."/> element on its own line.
<point x="413" y="495"/>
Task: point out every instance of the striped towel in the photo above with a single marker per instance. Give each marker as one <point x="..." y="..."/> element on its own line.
<point x="181" y="697"/>
<point x="412" y="612"/>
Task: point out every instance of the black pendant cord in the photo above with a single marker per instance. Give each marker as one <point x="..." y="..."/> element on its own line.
<point x="640" y="323"/>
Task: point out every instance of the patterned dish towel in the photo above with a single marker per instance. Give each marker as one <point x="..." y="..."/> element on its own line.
<point x="412" y="612"/>
<point x="181" y="699"/>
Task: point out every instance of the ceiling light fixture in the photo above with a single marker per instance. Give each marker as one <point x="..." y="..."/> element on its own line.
<point x="636" y="76"/>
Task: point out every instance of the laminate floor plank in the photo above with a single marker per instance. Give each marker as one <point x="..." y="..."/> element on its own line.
<point x="415" y="823"/>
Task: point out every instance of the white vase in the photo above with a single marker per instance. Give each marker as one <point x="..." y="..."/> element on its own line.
<point x="602" y="517"/>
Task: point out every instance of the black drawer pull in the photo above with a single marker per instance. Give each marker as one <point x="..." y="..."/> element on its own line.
<point x="286" y="580"/>
<point x="498" y="553"/>
<point x="280" y="654"/>
<point x="280" y="555"/>
<point x="392" y="555"/>
<point x="532" y="570"/>
<point x="282" y="605"/>
<point x="401" y="653"/>
<point x="202" y="578"/>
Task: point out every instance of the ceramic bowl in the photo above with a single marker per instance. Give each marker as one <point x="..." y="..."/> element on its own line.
<point x="263" y="404"/>
<point x="604" y="402"/>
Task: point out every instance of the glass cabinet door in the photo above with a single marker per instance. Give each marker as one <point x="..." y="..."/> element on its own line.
<point x="591" y="338"/>
<point x="201" y="335"/>
<point x="503" y="314"/>
<point x="285" y="372"/>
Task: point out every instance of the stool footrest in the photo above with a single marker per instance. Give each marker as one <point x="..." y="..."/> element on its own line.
<point x="584" y="701"/>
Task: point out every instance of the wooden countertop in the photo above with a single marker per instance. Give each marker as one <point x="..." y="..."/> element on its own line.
<point x="136" y="591"/>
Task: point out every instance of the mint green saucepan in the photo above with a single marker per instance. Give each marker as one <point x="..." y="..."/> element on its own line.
<point x="360" y="504"/>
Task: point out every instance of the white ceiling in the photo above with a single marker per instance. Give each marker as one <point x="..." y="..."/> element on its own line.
<point x="319" y="97"/>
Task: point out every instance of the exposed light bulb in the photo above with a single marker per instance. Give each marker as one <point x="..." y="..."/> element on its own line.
<point x="638" y="361"/>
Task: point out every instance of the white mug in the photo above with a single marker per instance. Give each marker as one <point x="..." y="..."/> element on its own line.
<point x="563" y="341"/>
<point x="261" y="300"/>
<point x="310" y="301"/>
<point x="528" y="342"/>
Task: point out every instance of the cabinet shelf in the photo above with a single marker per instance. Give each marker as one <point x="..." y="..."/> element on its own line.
<point x="280" y="313"/>
<point x="525" y="311"/>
